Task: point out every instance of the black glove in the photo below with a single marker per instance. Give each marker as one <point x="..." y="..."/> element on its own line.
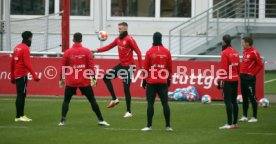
<point x="144" y="84"/>
<point x="169" y="82"/>
<point x="219" y="84"/>
<point x="13" y="81"/>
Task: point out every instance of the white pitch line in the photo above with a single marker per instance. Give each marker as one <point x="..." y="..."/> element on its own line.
<point x="12" y="127"/>
<point x="269" y="134"/>
<point x="125" y="129"/>
<point x="269" y="81"/>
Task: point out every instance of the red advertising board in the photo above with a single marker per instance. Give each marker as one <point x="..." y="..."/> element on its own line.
<point x="185" y="73"/>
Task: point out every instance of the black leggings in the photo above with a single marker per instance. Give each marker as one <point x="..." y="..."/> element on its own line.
<point x="124" y="72"/>
<point x="248" y="84"/>
<point x="88" y="92"/>
<point x="230" y="92"/>
<point x="21" y="89"/>
<point x="162" y="91"/>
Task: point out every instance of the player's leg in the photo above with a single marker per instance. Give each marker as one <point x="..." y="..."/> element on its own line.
<point x="88" y="92"/>
<point x="112" y="74"/>
<point x="162" y="90"/>
<point x="150" y="94"/>
<point x="126" y="85"/>
<point x="227" y="93"/>
<point x="253" y="100"/>
<point x="24" y="93"/>
<point x="245" y="94"/>
<point x="69" y="92"/>
<point x="21" y="89"/>
<point x="234" y="103"/>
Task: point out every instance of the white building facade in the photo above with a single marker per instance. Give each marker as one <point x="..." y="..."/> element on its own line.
<point x="143" y="16"/>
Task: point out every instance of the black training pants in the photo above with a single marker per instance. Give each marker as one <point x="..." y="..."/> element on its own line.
<point x="125" y="73"/>
<point x="162" y="91"/>
<point x="248" y="84"/>
<point x="230" y="92"/>
<point x="88" y="92"/>
<point x="21" y="89"/>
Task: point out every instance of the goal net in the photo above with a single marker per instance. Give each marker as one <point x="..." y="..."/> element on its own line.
<point x="46" y="32"/>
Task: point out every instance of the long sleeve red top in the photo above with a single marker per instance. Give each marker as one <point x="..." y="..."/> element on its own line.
<point x="251" y="62"/>
<point x="230" y="64"/>
<point x="126" y="46"/>
<point x="21" y="62"/>
<point x="158" y="64"/>
<point x="78" y="66"/>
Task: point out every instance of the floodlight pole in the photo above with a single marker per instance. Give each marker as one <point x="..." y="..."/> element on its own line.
<point x="46" y="34"/>
<point x="7" y="24"/>
<point x="101" y="19"/>
<point x="1" y="24"/>
<point x="65" y="25"/>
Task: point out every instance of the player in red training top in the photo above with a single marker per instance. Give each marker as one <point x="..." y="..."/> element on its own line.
<point x="20" y="67"/>
<point x="250" y="66"/>
<point x="228" y="81"/>
<point x="126" y="45"/>
<point x="78" y="68"/>
<point x="158" y="65"/>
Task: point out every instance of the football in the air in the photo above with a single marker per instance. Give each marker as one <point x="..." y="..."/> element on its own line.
<point x="102" y="35"/>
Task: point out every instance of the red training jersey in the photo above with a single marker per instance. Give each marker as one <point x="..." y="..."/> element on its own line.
<point x="126" y="46"/>
<point x="21" y="62"/>
<point x="251" y="62"/>
<point x="158" y="64"/>
<point x="230" y="64"/>
<point x="78" y="66"/>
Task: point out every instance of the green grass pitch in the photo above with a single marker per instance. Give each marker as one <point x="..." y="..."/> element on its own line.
<point x="270" y="87"/>
<point x="192" y="123"/>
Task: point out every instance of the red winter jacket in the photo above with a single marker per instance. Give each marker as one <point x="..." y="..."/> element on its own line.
<point x="79" y="61"/>
<point x="230" y="64"/>
<point x="158" y="59"/>
<point x="126" y="46"/>
<point x="21" y="62"/>
<point x="251" y="62"/>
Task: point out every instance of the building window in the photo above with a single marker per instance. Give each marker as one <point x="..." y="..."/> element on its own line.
<point x="133" y="8"/>
<point x="78" y="7"/>
<point x="254" y="8"/>
<point x="31" y="7"/>
<point x="175" y="8"/>
<point x="270" y="8"/>
<point x="235" y="9"/>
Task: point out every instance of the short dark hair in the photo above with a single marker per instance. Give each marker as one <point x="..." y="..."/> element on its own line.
<point x="248" y="40"/>
<point x="157" y="39"/>
<point x="77" y="37"/>
<point x="227" y="39"/>
<point x="123" y="24"/>
<point x="26" y="35"/>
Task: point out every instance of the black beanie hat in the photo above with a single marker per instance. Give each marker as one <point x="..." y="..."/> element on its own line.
<point x="157" y="39"/>
<point x="26" y="35"/>
<point x="227" y="39"/>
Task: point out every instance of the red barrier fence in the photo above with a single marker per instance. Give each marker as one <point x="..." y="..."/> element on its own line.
<point x="48" y="69"/>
